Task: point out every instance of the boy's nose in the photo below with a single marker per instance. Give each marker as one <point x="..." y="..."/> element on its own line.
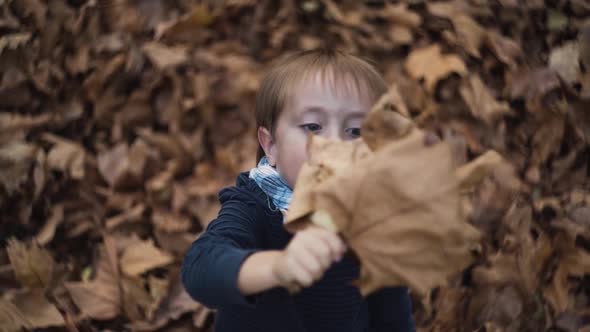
<point x="333" y="133"/>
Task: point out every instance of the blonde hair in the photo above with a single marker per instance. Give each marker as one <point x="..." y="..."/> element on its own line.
<point x="292" y="69"/>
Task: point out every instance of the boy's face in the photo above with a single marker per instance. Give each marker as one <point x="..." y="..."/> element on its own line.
<point x="329" y="109"/>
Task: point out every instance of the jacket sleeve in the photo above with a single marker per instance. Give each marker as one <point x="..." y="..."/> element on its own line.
<point x="390" y="310"/>
<point x="210" y="268"/>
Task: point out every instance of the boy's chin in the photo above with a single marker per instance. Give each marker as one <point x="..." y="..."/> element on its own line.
<point x="290" y="176"/>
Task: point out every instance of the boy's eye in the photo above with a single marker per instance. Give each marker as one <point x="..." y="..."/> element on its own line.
<point x="353" y="132"/>
<point x="313" y="127"/>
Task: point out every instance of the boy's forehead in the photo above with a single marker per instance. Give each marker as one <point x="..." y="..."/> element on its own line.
<point x="321" y="93"/>
<point x="330" y="83"/>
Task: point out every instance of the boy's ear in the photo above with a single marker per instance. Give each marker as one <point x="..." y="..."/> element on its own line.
<point x="267" y="144"/>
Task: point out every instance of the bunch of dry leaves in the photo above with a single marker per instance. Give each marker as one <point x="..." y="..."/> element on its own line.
<point x="121" y="119"/>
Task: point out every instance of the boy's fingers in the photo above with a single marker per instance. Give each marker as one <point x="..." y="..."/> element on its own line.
<point x="301" y="275"/>
<point x="320" y="250"/>
<point x="310" y="263"/>
<point x="336" y="243"/>
<point x="333" y="242"/>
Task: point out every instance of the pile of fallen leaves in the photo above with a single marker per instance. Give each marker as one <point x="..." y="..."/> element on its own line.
<point x="121" y="119"/>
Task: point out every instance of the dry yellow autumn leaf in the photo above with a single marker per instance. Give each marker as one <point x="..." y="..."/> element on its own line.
<point x="480" y="101"/>
<point x="100" y="298"/>
<point x="11" y="319"/>
<point x="13" y="122"/>
<point x="472" y="173"/>
<point x="199" y="17"/>
<point x="137" y="302"/>
<point x="430" y="64"/>
<point x="32" y="265"/>
<point x="398" y="209"/>
<point x="37" y="310"/>
<point x="469" y="33"/>
<point x="572" y="263"/>
<point x="66" y="156"/>
<point x="29" y="310"/>
<point x="14" y="40"/>
<point x="505" y="49"/>
<point x="327" y="157"/>
<point x="565" y="60"/>
<point x="143" y="256"/>
<point x="123" y="167"/>
<point x="96" y="300"/>
<point x="16" y="158"/>
<point x="388" y="121"/>
<point x="400" y="14"/>
<point x="47" y="233"/>
<point x="175" y="303"/>
<point x="163" y="56"/>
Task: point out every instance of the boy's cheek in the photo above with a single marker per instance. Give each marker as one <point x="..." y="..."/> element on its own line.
<point x="293" y="155"/>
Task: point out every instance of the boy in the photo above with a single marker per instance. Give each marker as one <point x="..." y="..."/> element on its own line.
<point x="242" y="264"/>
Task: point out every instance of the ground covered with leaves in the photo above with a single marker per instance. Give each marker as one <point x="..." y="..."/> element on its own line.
<point x="121" y="119"/>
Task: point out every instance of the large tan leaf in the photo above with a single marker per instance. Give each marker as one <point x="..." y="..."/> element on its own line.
<point x="37" y="310"/>
<point x="134" y="214"/>
<point x="175" y="303"/>
<point x="389" y="120"/>
<point x="430" y="64"/>
<point x="185" y="27"/>
<point x="170" y="146"/>
<point x="573" y="262"/>
<point x="136" y="300"/>
<point x="481" y="102"/>
<point x="505" y="49"/>
<point x="113" y="163"/>
<point x="469" y="33"/>
<point x="565" y="61"/>
<point x="13" y="122"/>
<point x="100" y="298"/>
<point x="66" y="156"/>
<point x="397" y="208"/>
<point x="327" y="158"/>
<point x="142" y="256"/>
<point x="32" y="265"/>
<point x="30" y="310"/>
<point x="16" y="158"/>
<point x="469" y="175"/>
<point x="15" y="40"/>
<point x="96" y="299"/>
<point x="11" y="319"/>
<point x="163" y="56"/>
<point x="47" y="233"/>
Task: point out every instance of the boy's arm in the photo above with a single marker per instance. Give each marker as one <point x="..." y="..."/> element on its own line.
<point x="256" y="274"/>
<point x="390" y="310"/>
<point x="309" y="254"/>
<point x="223" y="267"/>
<point x="212" y="264"/>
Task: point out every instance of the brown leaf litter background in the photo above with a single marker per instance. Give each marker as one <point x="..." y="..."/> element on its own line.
<point x="121" y="119"/>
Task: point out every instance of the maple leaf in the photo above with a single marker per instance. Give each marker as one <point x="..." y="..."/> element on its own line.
<point x="397" y="208"/>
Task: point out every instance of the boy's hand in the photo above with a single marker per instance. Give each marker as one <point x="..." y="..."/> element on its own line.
<point x="309" y="254"/>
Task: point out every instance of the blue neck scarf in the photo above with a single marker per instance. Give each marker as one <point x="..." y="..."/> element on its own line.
<point x="272" y="184"/>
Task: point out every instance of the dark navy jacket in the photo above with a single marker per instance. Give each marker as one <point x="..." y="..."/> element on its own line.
<point x="248" y="222"/>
